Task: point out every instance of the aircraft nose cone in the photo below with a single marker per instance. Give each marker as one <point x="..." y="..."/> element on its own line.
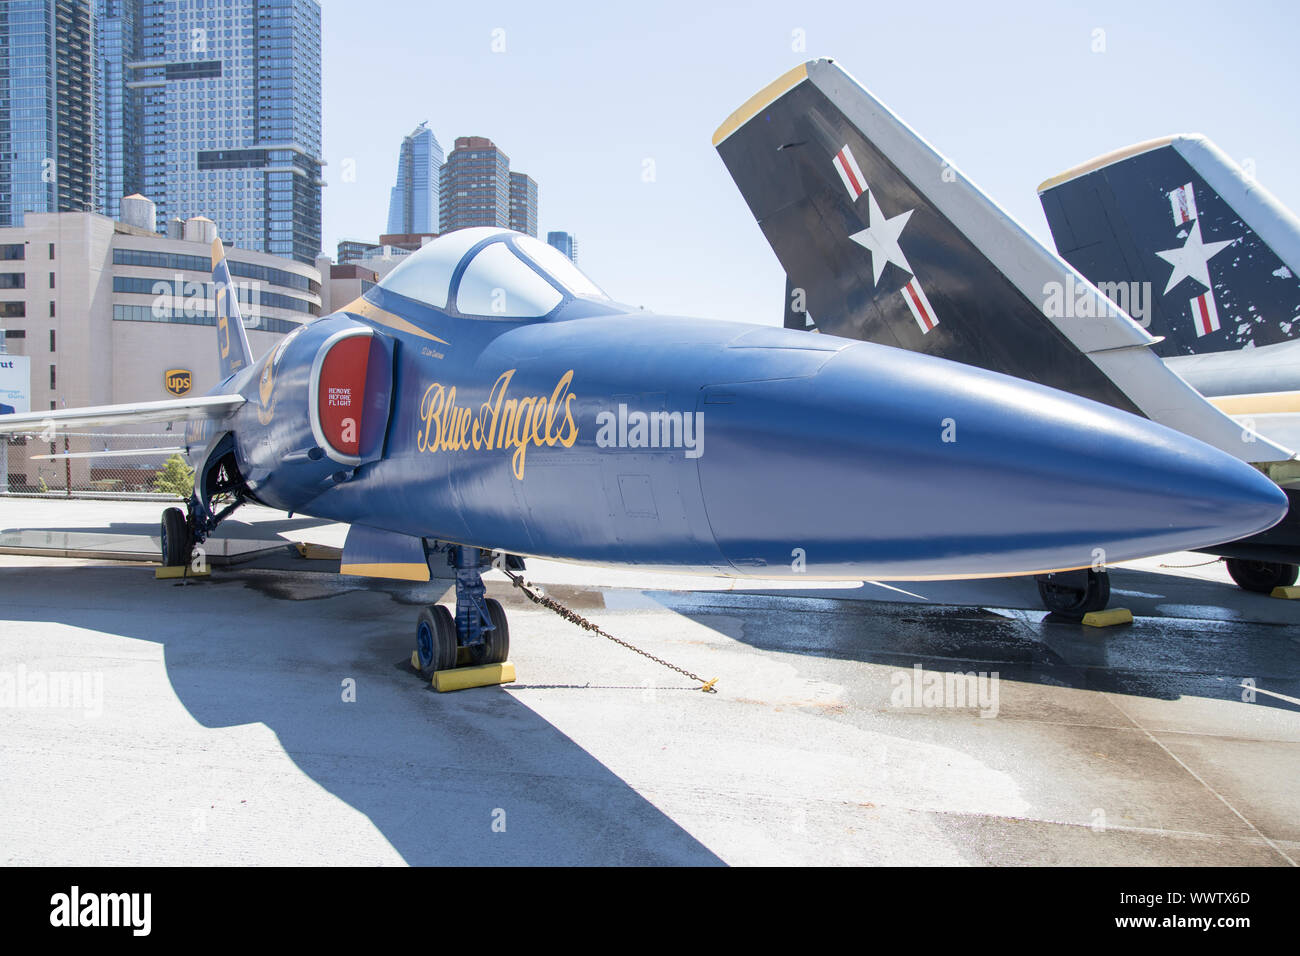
<point x="891" y="464"/>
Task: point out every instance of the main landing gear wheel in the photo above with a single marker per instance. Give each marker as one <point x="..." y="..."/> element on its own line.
<point x="1261" y="576"/>
<point x="177" y="545"/>
<point x="435" y="641"/>
<point x="1071" y="601"/>
<point x="495" y="648"/>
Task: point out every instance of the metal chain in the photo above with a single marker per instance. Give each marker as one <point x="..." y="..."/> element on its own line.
<point x="576" y="618"/>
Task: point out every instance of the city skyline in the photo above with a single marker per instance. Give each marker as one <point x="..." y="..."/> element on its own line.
<point x="1105" y="75"/>
<point x="620" y="135"/>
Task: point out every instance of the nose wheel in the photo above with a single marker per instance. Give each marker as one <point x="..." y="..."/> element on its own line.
<point x="177" y="538"/>
<point x="1073" y="594"/>
<point x="1261" y="576"/>
<point x="435" y="641"/>
<point x="495" y="646"/>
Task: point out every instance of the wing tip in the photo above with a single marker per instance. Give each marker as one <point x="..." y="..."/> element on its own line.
<point x="763" y="98"/>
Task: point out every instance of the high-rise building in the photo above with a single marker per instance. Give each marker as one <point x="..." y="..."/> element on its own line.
<point x="565" y="242"/>
<point x="229" y="110"/>
<point x="117" y="42"/>
<point x="475" y="185"/>
<point x="523" y="203"/>
<point x="352" y="250"/>
<point x="479" y="189"/>
<point x="47" y="109"/>
<point x="413" y="206"/>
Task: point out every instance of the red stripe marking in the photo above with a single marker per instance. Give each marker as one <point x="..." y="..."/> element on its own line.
<point x="848" y="180"/>
<point x="920" y="306"/>
<point x="848" y="171"/>
<point x="1205" y="314"/>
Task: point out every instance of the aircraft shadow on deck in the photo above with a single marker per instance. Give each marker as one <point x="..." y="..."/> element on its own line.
<point x="1163" y="656"/>
<point x="427" y="769"/>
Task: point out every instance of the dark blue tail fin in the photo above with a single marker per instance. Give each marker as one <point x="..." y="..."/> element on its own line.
<point x="1184" y="239"/>
<point x="232" y="340"/>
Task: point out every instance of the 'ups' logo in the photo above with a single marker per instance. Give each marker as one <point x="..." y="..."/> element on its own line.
<point x="178" y="380"/>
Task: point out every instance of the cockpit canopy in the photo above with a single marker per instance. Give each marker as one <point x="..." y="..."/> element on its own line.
<point x="490" y="273"/>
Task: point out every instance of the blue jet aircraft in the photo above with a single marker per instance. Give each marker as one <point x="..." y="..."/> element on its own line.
<point x="487" y="398"/>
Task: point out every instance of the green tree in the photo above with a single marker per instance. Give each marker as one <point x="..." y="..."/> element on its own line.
<point x="176" y="478"/>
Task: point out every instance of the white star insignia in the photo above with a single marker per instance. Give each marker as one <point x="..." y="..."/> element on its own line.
<point x="1192" y="261"/>
<point x="880" y="238"/>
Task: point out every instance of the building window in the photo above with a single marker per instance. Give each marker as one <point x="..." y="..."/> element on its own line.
<point x="51" y="250"/>
<point x="51" y="280"/>
<point x="51" y="308"/>
<point x="52" y="378"/>
<point x="13" y="250"/>
<point x="51" y="340"/>
<point x="13" y="280"/>
<point x="13" y="310"/>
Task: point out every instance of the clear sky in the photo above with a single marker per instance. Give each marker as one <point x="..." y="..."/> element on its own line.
<point x="584" y="93"/>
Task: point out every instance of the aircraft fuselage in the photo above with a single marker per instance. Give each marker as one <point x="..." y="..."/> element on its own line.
<point x="695" y="445"/>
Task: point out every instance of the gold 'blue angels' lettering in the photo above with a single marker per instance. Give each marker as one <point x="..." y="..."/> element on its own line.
<point x="502" y="422"/>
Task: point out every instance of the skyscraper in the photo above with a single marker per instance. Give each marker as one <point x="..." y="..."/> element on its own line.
<point x="230" y="117"/>
<point x="565" y="242"/>
<point x="47" y="89"/>
<point x="523" y="203"/>
<point x="117" y="41"/>
<point x="475" y="185"/>
<point x="413" y="206"/>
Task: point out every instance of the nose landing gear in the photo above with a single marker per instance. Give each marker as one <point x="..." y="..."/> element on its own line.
<point x="476" y="639"/>
<point x="1261" y="576"/>
<point x="1072" y="594"/>
<point x="218" y="482"/>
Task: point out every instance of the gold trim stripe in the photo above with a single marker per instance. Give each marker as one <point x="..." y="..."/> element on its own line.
<point x="763" y="98"/>
<point x="412" y="571"/>
<point x="1260" y="403"/>
<point x="1093" y="165"/>
<point x="367" y="309"/>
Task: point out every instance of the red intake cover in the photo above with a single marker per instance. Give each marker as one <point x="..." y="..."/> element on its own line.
<point x="342" y="393"/>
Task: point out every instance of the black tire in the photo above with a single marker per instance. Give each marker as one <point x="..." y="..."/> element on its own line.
<point x="177" y="545"/>
<point x="1261" y="576"/>
<point x="1075" y="602"/>
<point x="435" y="641"/>
<point x="495" y="648"/>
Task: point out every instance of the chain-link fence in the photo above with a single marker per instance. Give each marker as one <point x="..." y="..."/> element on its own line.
<point x="95" y="464"/>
